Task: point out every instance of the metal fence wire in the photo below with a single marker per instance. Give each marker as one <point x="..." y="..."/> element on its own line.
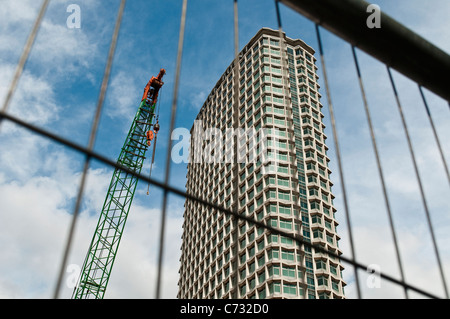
<point x="393" y="44"/>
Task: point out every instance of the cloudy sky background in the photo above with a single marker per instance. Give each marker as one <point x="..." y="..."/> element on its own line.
<point x="59" y="89"/>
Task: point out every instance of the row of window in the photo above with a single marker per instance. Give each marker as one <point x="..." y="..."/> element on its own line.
<point x="252" y="199"/>
<point x="260" y="47"/>
<point x="224" y="94"/>
<point x="270" y="120"/>
<point x="249" y="183"/>
<point x="209" y="111"/>
<point x="265" y="289"/>
<point x="216" y="246"/>
<point x="250" y="275"/>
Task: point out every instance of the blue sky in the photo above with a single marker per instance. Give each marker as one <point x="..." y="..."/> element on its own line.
<point x="59" y="90"/>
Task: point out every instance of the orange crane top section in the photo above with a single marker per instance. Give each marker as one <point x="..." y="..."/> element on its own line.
<point x="152" y="88"/>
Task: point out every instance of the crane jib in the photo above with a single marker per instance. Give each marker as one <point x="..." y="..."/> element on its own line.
<point x="97" y="266"/>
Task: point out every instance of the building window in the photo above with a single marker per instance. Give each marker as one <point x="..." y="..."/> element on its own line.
<point x="251" y="266"/>
<point x="274" y="254"/>
<point x="321" y="280"/>
<point x="324" y="295"/>
<point x="315" y="205"/>
<point x="287" y="255"/>
<point x="284" y="196"/>
<point x="285" y="224"/>
<point x="285" y="240"/>
<point x="330" y="239"/>
<point x="333" y="270"/>
<point x="242" y="290"/>
<point x="262" y="293"/>
<point x="273" y="222"/>
<point x="335" y="286"/>
<point x="289" y="272"/>
<point x="290" y="289"/>
<point x="242" y="274"/>
<point x="274" y="287"/>
<point x="261" y="260"/>
<point x="284" y="210"/>
<point x="252" y="283"/>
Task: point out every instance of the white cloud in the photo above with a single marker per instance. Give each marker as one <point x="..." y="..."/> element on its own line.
<point x="36" y="213"/>
<point x="57" y="50"/>
<point x="34" y="98"/>
<point x="34" y="220"/>
<point x="197" y="98"/>
<point x="418" y="261"/>
<point x="63" y="51"/>
<point x="123" y="95"/>
<point x="15" y="18"/>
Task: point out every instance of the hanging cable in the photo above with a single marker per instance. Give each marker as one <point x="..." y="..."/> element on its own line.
<point x="155" y="130"/>
<point x="159" y="103"/>
<point x="154" y="134"/>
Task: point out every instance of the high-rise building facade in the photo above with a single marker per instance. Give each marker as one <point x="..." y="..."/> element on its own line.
<point x="288" y="188"/>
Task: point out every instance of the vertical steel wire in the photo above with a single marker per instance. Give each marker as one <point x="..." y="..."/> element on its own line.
<point x="338" y="156"/>
<point x="380" y="169"/>
<point x="436" y="137"/>
<point x="169" y="147"/>
<point x="91" y="143"/>
<point x="419" y="181"/>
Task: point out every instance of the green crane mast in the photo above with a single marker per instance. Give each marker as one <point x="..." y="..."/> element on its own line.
<point x="102" y="252"/>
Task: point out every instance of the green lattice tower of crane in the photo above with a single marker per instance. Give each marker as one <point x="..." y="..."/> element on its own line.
<point x="102" y="252"/>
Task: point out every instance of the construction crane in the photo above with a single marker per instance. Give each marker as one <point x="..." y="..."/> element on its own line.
<point x="97" y="266"/>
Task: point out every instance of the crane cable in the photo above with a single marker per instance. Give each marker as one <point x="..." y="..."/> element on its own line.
<point x="153" y="160"/>
<point x="154" y="144"/>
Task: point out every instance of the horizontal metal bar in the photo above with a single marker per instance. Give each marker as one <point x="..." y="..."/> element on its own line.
<point x="393" y="44"/>
<point x="94" y="155"/>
